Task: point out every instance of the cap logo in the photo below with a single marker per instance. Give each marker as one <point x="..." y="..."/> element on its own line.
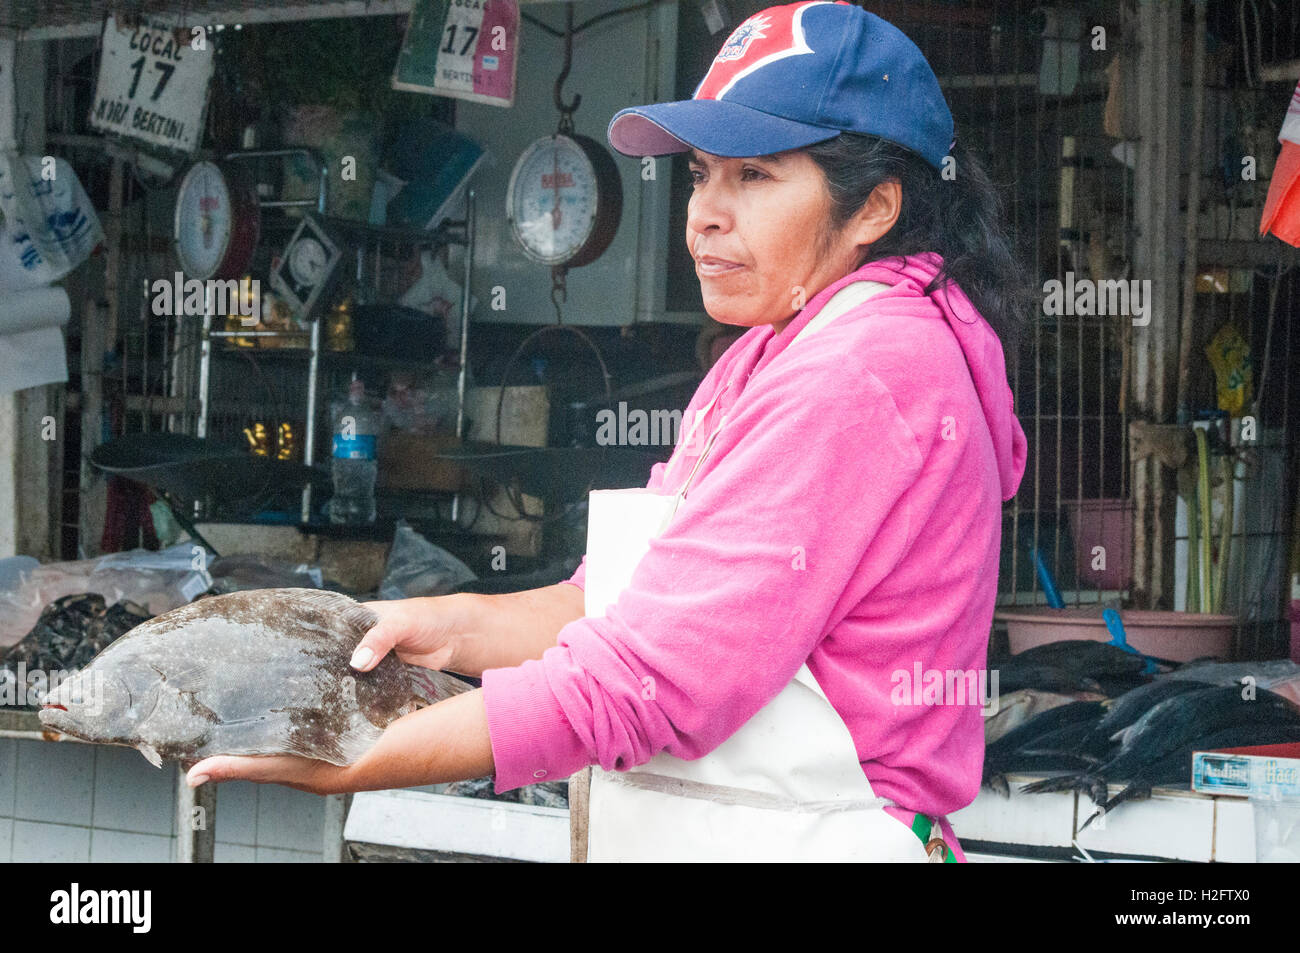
<point x="749" y="31"/>
<point x="763" y="38"/>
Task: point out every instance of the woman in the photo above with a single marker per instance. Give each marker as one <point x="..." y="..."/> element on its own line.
<point x="749" y="650"/>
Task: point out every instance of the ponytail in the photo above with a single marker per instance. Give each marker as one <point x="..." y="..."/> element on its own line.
<point x="959" y="217"/>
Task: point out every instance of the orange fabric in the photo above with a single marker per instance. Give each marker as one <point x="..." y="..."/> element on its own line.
<point x="1282" y="207"/>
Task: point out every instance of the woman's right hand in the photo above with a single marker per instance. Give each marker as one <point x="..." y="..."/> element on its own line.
<point x="467" y="633"/>
<point x="423" y="631"/>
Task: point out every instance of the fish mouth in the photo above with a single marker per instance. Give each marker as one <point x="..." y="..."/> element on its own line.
<point x="54" y="707"/>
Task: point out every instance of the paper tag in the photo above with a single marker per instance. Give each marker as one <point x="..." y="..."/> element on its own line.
<point x="195" y="584"/>
<point x="467" y="50"/>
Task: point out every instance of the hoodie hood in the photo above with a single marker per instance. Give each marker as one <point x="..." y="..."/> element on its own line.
<point x="979" y="342"/>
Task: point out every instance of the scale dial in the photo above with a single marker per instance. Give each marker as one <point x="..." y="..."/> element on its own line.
<point x="304" y="272"/>
<point x="564" y="200"/>
<point x="307" y="261"/>
<point x="216" y="224"/>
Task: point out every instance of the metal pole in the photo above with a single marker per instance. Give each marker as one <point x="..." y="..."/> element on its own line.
<point x="464" y="334"/>
<point x="309" y="436"/>
<point x="1193" y="207"/>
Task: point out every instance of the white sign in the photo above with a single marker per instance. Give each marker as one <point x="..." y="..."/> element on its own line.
<point x="153" y="83"/>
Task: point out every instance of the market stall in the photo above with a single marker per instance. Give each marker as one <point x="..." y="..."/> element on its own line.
<point x="354" y="299"/>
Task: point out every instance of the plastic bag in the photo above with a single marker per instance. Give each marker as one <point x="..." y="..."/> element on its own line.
<point x="416" y="567"/>
<point x="159" y="581"/>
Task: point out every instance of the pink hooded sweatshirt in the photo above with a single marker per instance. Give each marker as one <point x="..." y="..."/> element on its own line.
<point x="848" y="515"/>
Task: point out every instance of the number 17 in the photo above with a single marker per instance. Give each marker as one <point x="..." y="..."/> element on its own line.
<point x="166" y="69"/>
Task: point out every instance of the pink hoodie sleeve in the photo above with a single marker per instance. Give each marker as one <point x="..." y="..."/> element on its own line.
<point x="792" y="520"/>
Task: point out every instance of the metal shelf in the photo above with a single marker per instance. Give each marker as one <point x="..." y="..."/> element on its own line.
<point x="455" y="232"/>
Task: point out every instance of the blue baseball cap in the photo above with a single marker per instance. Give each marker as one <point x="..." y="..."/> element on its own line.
<point x="793" y="75"/>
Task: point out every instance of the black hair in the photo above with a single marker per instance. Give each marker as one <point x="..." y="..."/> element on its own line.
<point x="959" y="217"/>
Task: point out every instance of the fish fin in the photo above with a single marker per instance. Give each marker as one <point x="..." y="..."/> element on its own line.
<point x="1135" y="791"/>
<point x="1099" y="790"/>
<point x="328" y="601"/>
<point x="1092" y="817"/>
<point x="150" y="754"/>
<point x="432" y="686"/>
<point x="998" y="784"/>
<point x="1063" y="782"/>
<point x="360" y="618"/>
<point x="343" y="749"/>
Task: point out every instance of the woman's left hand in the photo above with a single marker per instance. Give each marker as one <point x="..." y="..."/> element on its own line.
<point x="448" y="741"/>
<point x="305" y="774"/>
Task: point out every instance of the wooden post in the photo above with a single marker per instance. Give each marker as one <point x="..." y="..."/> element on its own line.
<point x="1161" y="157"/>
<point x="579" y="812"/>
<point x="336" y="814"/>
<point x="196" y="821"/>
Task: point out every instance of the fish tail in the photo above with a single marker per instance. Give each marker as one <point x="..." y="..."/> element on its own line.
<point x="1132" y="792"/>
<point x="1095" y="814"/>
<point x="1098" y="789"/>
<point x="1064" y="782"/>
<point x="431" y="686"/>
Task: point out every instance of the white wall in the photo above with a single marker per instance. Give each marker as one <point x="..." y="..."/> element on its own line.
<point x="626" y="60"/>
<point x="25" y="487"/>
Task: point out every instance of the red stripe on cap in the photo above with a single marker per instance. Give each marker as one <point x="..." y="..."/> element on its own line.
<point x="767" y="36"/>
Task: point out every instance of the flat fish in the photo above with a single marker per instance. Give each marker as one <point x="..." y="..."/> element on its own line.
<point x="263" y="671"/>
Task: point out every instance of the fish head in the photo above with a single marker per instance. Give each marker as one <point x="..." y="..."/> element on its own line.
<point x="95" y="704"/>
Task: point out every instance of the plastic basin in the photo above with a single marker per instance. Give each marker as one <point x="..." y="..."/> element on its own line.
<point x="1107" y="524"/>
<point x="1177" y="636"/>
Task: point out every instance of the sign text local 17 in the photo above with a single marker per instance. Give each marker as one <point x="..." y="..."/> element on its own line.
<point x="153" y="84"/>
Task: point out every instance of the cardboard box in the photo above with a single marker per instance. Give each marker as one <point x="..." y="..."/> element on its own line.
<point x="410" y="462"/>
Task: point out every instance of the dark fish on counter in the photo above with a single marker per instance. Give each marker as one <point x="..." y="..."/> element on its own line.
<point x="69" y="633"/>
<point x="1214" y="672"/>
<point x="544" y="794"/>
<point x="1280" y="676"/>
<point x="1123" y="711"/>
<point x="1169" y="726"/>
<point x="1175" y="768"/>
<point x="1007" y="754"/>
<point x="257" y="672"/>
<point x="1071" y="665"/>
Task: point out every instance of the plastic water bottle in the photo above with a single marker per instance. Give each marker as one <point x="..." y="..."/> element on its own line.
<point x="356" y="428"/>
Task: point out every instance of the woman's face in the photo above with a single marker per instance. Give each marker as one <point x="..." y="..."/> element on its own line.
<point x="759" y="229"/>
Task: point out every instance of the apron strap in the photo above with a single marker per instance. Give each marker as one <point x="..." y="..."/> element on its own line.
<point x="923" y="827"/>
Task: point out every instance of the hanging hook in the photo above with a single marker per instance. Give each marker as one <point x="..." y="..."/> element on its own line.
<point x="568" y="62"/>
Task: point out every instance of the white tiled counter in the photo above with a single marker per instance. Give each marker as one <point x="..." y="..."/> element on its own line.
<point x="66" y="801"/>
<point x="1170" y="825"/>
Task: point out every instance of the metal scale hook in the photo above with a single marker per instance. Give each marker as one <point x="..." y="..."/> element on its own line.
<point x="566" y="109"/>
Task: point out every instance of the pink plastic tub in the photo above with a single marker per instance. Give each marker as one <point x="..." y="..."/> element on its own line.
<point x="1105" y="523"/>
<point x="1177" y="636"/>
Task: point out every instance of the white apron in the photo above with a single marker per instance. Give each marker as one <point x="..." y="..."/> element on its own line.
<point x="786" y="787"/>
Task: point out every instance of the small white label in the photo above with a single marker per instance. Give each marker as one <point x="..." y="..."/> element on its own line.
<point x="195" y="584"/>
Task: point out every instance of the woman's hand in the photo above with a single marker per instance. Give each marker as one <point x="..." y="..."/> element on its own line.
<point x="448" y="741"/>
<point x="305" y="774"/>
<point x="423" y="631"/>
<point x="468" y="633"/>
